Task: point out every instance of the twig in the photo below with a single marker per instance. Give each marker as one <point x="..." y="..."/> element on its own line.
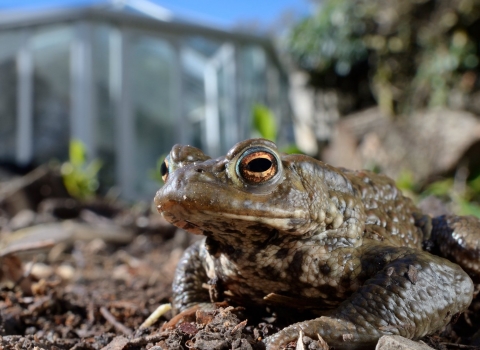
<point x="111" y="319"/>
<point x="152" y="338"/>
<point x="26" y="246"/>
<point x="461" y="346"/>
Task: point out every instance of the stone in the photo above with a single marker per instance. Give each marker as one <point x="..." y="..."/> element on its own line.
<point x="397" y="342"/>
<point x="425" y="144"/>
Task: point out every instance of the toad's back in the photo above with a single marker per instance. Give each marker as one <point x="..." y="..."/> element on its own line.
<point x="390" y="216"/>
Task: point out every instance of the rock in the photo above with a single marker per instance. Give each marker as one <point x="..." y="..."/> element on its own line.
<point x="425" y="144"/>
<point x="39" y="270"/>
<point x="118" y="343"/>
<point x="66" y="272"/>
<point x="433" y="206"/>
<point x="23" y="218"/>
<point x="397" y="342"/>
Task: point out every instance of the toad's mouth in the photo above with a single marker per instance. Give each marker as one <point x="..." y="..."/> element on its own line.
<point x="205" y="221"/>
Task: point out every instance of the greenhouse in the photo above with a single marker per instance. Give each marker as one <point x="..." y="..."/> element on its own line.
<point x="129" y="82"/>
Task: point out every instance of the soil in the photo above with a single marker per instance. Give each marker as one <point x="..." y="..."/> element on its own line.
<point x="96" y="293"/>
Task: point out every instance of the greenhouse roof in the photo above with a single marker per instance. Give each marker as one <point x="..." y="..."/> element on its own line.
<point x="140" y="14"/>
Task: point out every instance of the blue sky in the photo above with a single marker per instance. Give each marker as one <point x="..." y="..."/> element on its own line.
<point x="220" y="12"/>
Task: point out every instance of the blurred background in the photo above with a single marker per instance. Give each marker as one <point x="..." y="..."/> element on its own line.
<point x="129" y="79"/>
<point x="364" y="84"/>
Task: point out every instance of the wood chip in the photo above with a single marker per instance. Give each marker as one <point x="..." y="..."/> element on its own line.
<point x="300" y="345"/>
<point x="323" y="344"/>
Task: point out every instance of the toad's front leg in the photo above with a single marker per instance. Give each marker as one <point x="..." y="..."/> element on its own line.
<point x="412" y="294"/>
<point x="190" y="279"/>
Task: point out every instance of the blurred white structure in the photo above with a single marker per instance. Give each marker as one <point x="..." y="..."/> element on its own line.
<point x="129" y="79"/>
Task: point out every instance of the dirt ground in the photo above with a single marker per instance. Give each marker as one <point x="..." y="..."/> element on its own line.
<point x="67" y="289"/>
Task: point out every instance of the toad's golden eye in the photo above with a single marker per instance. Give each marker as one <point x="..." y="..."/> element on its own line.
<point x="164" y="170"/>
<point x="258" y="166"/>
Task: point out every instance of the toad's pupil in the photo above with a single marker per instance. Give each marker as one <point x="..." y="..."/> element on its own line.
<point x="259" y="165"/>
<point x="163" y="169"/>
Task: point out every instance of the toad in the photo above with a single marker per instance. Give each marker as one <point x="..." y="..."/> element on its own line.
<point x="288" y="229"/>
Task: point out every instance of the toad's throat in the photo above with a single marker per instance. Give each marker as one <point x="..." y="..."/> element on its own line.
<point x="295" y="220"/>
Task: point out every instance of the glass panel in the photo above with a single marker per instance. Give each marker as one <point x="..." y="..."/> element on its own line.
<point x="152" y="81"/>
<point x="228" y="118"/>
<point x="284" y="115"/>
<point x="253" y="87"/>
<point x="9" y="44"/>
<point x="51" y="108"/>
<point x="194" y="95"/>
<point x="196" y="55"/>
<point x="204" y="46"/>
<point x="103" y="36"/>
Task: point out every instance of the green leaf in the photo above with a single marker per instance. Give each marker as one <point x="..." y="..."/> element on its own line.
<point x="77" y="152"/>
<point x="405" y="181"/>
<point x="94" y="167"/>
<point x="467" y="208"/>
<point x="291" y="149"/>
<point x="440" y="188"/>
<point x="474" y="185"/>
<point x="264" y="122"/>
<point x="80" y="178"/>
